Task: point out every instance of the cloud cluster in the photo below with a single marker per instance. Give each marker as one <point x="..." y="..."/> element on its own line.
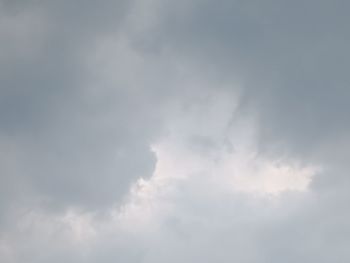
<point x="174" y="131"/>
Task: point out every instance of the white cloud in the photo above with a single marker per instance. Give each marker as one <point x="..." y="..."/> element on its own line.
<point x="206" y="140"/>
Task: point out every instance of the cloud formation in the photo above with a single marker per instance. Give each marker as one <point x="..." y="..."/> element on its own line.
<point x="174" y="131"/>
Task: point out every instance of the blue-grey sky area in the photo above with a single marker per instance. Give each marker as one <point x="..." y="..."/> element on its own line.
<point x="151" y="131"/>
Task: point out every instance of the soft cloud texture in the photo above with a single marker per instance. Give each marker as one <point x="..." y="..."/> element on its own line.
<point x="174" y="131"/>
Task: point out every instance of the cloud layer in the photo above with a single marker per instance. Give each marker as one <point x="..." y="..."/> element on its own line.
<point x="174" y="131"/>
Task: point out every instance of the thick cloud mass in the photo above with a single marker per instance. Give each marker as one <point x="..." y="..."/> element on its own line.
<point x="174" y="131"/>
<point x="291" y="56"/>
<point x="72" y="145"/>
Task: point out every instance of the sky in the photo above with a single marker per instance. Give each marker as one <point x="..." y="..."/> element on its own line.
<point x="151" y="131"/>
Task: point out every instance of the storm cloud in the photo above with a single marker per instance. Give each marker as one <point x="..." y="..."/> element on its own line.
<point x="168" y="131"/>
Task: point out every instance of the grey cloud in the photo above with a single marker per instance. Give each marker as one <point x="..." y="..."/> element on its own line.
<point x="71" y="147"/>
<point x="78" y="134"/>
<point x="290" y="56"/>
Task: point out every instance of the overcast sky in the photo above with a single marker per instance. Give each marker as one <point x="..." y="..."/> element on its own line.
<point x="167" y="131"/>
